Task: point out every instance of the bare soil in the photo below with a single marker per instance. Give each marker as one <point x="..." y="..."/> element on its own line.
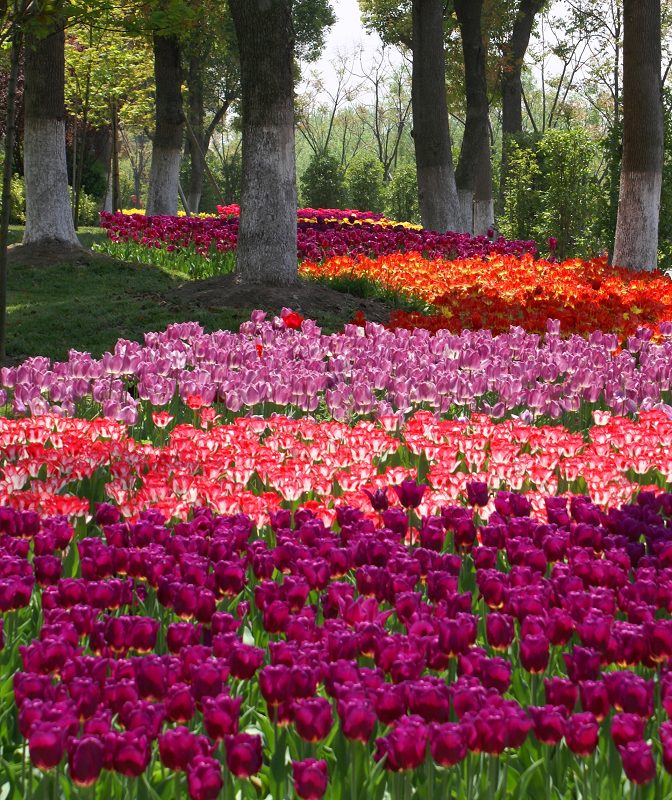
<point x="311" y="299"/>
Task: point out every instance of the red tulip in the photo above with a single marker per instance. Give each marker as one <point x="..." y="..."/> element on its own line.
<point x="243" y="754"/>
<point x="204" y="778"/>
<point x="310" y="778"/>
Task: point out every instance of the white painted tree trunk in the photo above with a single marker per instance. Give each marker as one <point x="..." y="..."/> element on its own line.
<point x="484" y="216"/>
<point x="164" y="178"/>
<point x="466" y="198"/>
<point x="638" y="214"/>
<point x="48" y="208"/>
<point x="440" y="205"/>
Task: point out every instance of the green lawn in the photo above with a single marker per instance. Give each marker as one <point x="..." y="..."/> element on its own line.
<point x="87" y="307"/>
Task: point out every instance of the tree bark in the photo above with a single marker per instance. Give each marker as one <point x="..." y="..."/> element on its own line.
<point x="266" y="251"/>
<point x="48" y="209"/>
<point x="636" y="245"/>
<point x="196" y="114"/>
<point x="10" y="137"/>
<point x="437" y="193"/>
<point x="473" y="175"/>
<point x="513" y="54"/>
<point x="164" y="174"/>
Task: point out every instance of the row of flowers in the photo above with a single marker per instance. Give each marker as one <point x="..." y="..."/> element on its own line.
<point x="320" y="236"/>
<point x="58" y="465"/>
<point x="417" y="643"/>
<point x="287" y="365"/>
<point x="501" y="291"/>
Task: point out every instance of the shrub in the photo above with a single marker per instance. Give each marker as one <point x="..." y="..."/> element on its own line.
<point x="364" y="179"/>
<point x="322" y="184"/>
<point x="401" y="195"/>
<point x="89" y="209"/>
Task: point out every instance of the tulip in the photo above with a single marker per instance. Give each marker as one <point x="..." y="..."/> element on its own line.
<point x="221" y="714"/>
<point x="561" y="692"/>
<point x="204" y="778"/>
<point x="549" y="723"/>
<point x="404" y="745"/>
<point x="275" y="684"/>
<point x="358" y="719"/>
<point x="310" y="778"/>
<point x="626" y="728"/>
<point x="638" y="763"/>
<point x="410" y="493"/>
<point x="313" y="718"/>
<point x="179" y="703"/>
<point x="245" y="660"/>
<point x="582" y="733"/>
<point x="477" y="493"/>
<point x="499" y="630"/>
<point x="178" y="747"/>
<point x="131" y="753"/>
<point x="46" y="744"/>
<point x="85" y="760"/>
<point x="243" y="754"/>
<point x="594" y="698"/>
<point x="447" y="744"/>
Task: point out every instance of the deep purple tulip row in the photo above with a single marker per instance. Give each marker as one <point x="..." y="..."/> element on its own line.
<point x="316" y="240"/>
<point x="423" y="644"/>
<point x="371" y="371"/>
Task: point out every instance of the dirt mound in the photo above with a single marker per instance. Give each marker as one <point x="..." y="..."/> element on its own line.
<point x="311" y="299"/>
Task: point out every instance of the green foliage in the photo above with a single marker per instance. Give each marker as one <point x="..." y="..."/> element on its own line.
<point x="568" y="207"/>
<point x="401" y="195"/>
<point x="611" y="147"/>
<point x="114" y="67"/>
<point x="665" y="229"/>
<point x="552" y="192"/>
<point x="17" y="212"/>
<point x="521" y="203"/>
<point x="88" y="210"/>
<point x="364" y="180"/>
<point x="311" y="20"/>
<point x="322" y="183"/>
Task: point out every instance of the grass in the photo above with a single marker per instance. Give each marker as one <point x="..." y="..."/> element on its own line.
<point x="55" y="308"/>
<point x="87" y="307"/>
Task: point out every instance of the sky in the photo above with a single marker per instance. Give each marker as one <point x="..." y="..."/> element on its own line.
<point x="348" y="32"/>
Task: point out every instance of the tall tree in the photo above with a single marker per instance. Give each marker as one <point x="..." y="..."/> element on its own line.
<point x="48" y="211"/>
<point x="164" y="175"/>
<point x="437" y="193"/>
<point x="636" y="245"/>
<point x="473" y="175"/>
<point x="513" y="54"/>
<point x="266" y="251"/>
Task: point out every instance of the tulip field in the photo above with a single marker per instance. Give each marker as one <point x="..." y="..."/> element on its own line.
<point x="430" y="559"/>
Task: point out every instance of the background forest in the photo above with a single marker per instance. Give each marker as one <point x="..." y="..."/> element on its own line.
<point x="557" y="176"/>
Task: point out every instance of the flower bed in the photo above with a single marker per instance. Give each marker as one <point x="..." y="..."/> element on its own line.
<point x="321" y="235"/>
<point x="289" y="366"/>
<point x="501" y="291"/>
<point x="445" y="656"/>
<point x="61" y="466"/>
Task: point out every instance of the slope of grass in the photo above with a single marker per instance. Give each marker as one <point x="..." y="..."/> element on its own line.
<point x="87" y="306"/>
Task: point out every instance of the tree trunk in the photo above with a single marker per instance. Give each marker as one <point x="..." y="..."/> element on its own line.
<point x="164" y="174"/>
<point x="473" y="175"/>
<point x="636" y="245"/>
<point x="48" y="209"/>
<point x="116" y="200"/>
<point x="437" y="194"/>
<point x="511" y="85"/>
<point x="196" y="115"/>
<point x="266" y="251"/>
<point x="10" y="138"/>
